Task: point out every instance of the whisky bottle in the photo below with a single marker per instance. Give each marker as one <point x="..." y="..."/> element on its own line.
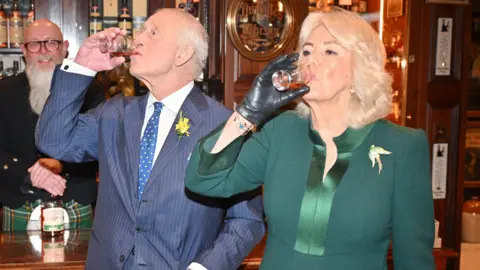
<point x="345" y="4"/>
<point x="125" y="19"/>
<point x="30" y="15"/>
<point x="3" y="28"/>
<point x="96" y="21"/>
<point x="15" y="26"/>
<point x="1" y="69"/>
<point x="16" y="68"/>
<point x="362" y="6"/>
<point x="354" y="6"/>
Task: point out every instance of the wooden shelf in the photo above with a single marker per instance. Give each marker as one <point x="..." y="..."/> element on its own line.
<point x="471" y="184"/>
<point x="10" y="51"/>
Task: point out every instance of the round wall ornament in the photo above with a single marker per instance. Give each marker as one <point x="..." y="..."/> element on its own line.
<point x="260" y="29"/>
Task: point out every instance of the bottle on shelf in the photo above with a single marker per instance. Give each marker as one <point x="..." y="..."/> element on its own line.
<point x="345" y="4"/>
<point x="362" y="6"/>
<point x="15" y="67"/>
<point x="1" y="69"/>
<point x="3" y="28"/>
<point x="125" y="19"/>
<point x="96" y="20"/>
<point x="354" y="7"/>
<point x="15" y="26"/>
<point x="30" y="15"/>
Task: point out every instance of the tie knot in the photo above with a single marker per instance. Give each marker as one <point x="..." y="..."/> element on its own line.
<point x="158" y="106"/>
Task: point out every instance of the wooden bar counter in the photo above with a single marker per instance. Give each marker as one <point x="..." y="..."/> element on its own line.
<point x="20" y="250"/>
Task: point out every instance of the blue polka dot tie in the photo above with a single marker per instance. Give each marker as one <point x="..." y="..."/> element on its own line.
<point x="147" y="148"/>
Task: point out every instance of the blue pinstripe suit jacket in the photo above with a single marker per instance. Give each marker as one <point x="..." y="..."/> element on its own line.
<point x="167" y="229"/>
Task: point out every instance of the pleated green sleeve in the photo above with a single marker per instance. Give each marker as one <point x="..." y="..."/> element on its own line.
<point x="238" y="168"/>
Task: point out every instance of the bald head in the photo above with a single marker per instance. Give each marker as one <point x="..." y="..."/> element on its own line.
<point x="190" y="32"/>
<point x="42" y="29"/>
<point x="182" y="19"/>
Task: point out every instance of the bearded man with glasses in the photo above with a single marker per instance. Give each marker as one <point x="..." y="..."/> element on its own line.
<point x="28" y="177"/>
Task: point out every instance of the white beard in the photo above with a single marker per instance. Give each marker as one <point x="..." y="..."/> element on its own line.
<point x="40" y="81"/>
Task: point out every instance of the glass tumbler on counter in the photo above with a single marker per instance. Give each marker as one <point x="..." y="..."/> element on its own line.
<point x="285" y="79"/>
<point x="52" y="220"/>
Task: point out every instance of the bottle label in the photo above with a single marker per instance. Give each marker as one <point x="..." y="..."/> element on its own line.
<point x="53" y="219"/>
<point x="16" y="30"/>
<point x="3" y="30"/>
<point x="125" y="25"/>
<point x="95" y="26"/>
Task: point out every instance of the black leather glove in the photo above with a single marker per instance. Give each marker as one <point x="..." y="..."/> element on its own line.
<point x="263" y="100"/>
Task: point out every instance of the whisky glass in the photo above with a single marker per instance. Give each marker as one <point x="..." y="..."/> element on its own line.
<point x="118" y="47"/>
<point x="290" y="79"/>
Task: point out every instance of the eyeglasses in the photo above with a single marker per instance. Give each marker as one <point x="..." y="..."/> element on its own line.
<point x="50" y="45"/>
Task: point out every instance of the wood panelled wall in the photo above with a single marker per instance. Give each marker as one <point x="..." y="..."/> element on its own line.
<point x="438" y="104"/>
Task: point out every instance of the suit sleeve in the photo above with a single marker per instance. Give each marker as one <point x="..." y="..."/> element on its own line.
<point x="62" y="132"/>
<point x="244" y="229"/>
<point x="94" y="96"/>
<point x="413" y="225"/>
<point x="238" y="168"/>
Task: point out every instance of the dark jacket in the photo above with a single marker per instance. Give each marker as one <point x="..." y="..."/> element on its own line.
<point x="18" y="151"/>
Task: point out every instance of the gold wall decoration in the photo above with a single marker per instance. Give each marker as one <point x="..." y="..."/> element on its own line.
<point x="260" y="29"/>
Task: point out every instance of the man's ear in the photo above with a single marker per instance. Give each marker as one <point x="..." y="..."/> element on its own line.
<point x="184" y="55"/>
<point x="66" y="44"/>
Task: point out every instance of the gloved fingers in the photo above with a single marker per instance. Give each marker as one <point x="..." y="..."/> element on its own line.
<point x="288" y="96"/>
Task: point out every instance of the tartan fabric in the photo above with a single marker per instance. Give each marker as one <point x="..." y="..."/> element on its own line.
<point x="80" y="216"/>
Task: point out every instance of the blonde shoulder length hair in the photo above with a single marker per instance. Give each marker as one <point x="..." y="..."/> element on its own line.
<point x="372" y="96"/>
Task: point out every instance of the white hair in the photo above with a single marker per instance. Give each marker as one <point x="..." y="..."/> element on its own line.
<point x="195" y="36"/>
<point x="372" y="98"/>
<point x="198" y="38"/>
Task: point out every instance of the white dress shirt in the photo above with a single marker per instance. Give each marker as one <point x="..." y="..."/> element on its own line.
<point x="171" y="107"/>
<point x="170" y="110"/>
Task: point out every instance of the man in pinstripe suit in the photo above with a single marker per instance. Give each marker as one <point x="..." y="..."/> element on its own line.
<point x="143" y="217"/>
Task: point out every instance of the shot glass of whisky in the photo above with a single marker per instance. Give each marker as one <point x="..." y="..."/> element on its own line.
<point x="118" y="47"/>
<point x="290" y="80"/>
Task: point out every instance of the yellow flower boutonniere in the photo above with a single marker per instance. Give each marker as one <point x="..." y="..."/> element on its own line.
<point x="374" y="155"/>
<point x="182" y="126"/>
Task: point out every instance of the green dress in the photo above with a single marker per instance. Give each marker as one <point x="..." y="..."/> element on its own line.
<point x="344" y="222"/>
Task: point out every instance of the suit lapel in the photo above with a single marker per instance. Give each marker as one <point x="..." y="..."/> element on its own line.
<point x="134" y="116"/>
<point x="191" y="108"/>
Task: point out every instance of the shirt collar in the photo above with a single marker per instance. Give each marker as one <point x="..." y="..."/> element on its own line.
<point x="174" y="101"/>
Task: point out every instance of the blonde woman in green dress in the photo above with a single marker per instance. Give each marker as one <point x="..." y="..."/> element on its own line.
<point x="339" y="181"/>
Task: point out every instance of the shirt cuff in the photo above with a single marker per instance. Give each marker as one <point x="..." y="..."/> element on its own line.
<point x="196" y="266"/>
<point x="72" y="67"/>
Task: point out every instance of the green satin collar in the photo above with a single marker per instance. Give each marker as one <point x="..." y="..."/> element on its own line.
<point x="348" y="141"/>
<point x="318" y="198"/>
